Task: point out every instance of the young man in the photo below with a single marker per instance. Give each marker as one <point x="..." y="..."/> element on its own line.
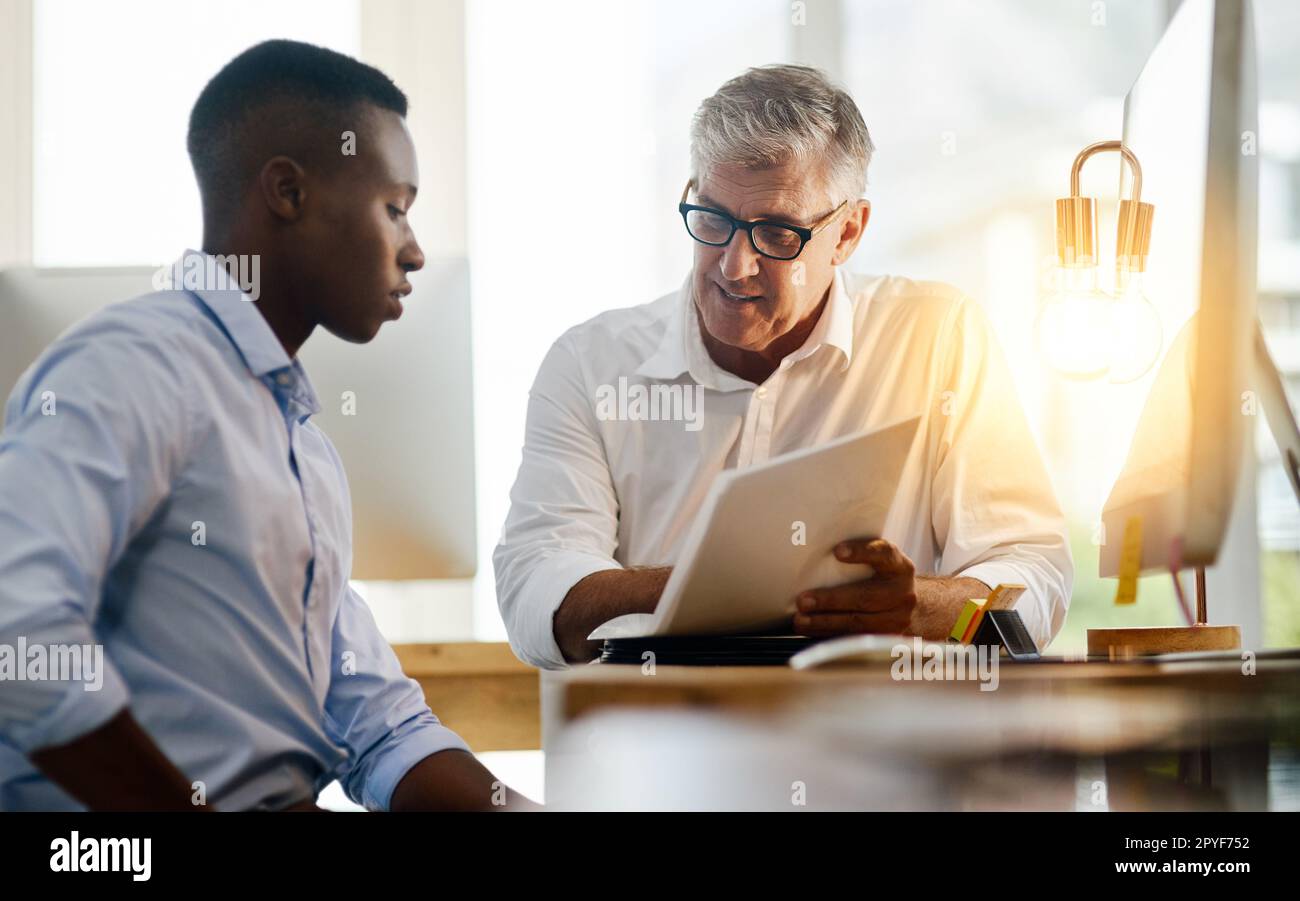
<point x="165" y="496"/>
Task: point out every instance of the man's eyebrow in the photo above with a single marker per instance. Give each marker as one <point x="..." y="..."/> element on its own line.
<point x="706" y="200"/>
<point x="411" y="191"/>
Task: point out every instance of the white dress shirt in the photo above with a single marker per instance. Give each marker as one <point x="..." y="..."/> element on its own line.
<point x="596" y="493"/>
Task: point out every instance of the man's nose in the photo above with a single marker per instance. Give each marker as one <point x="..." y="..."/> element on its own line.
<point x="739" y="259"/>
<point x="411" y="257"/>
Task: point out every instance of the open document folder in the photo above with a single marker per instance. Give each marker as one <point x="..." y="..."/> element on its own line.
<point x="767" y="533"/>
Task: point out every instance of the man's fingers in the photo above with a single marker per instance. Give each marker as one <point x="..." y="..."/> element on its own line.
<point x="867" y="596"/>
<point x="884" y="556"/>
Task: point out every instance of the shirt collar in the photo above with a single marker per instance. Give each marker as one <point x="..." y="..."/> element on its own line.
<point x="835" y="327"/>
<point x="202" y="275"/>
<point x="669" y="359"/>
<point x="682" y="350"/>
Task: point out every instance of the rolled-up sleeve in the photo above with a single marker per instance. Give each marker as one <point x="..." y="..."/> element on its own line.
<point x="995" y="514"/>
<point x="94" y="433"/>
<point x="375" y="711"/>
<point x="563" y="520"/>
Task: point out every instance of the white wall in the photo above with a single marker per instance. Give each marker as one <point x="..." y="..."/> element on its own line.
<point x="16" y="141"/>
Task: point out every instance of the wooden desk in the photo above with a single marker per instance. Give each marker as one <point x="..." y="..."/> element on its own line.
<point x="1206" y="722"/>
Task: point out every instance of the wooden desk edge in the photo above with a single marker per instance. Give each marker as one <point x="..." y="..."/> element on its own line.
<point x="479" y="690"/>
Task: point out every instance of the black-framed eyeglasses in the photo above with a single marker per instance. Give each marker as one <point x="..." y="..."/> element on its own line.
<point x="772" y="239"/>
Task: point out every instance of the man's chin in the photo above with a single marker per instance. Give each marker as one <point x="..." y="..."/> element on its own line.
<point x="734" y="324"/>
<point x="356" y="334"/>
<point x="736" y="334"/>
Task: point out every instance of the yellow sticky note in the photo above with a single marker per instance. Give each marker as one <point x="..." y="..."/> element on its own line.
<point x="1130" y="562"/>
<point x="969" y="614"/>
<point x="1004" y="596"/>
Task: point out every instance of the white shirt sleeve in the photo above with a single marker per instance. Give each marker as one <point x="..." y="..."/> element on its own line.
<point x="994" y="514"/>
<point x="563" y="520"/>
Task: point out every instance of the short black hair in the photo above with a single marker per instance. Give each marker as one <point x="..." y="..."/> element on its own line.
<point x="278" y="96"/>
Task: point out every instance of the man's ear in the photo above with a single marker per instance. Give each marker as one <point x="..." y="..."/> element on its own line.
<point x="851" y="230"/>
<point x="282" y="188"/>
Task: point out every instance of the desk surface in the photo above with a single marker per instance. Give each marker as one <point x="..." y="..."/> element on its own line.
<point x="763" y="719"/>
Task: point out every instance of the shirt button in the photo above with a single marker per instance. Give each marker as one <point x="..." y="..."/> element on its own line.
<point x="283" y="378"/>
<point x="760" y="393"/>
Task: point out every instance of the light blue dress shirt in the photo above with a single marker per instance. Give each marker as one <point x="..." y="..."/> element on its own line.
<point x="164" y="493"/>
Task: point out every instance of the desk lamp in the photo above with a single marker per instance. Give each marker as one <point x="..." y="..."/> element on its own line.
<point x="1083" y="330"/>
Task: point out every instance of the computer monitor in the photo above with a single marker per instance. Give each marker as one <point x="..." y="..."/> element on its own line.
<point x="407" y="439"/>
<point x="1191" y="120"/>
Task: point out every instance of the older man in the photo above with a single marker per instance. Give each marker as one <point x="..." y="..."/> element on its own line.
<point x="786" y="351"/>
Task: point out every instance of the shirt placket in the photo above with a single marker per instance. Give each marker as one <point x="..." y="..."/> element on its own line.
<point x="316" y="668"/>
<point x="311" y="595"/>
<point x="756" y="437"/>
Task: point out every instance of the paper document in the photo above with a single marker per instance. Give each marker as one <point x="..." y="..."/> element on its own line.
<point x="766" y="533"/>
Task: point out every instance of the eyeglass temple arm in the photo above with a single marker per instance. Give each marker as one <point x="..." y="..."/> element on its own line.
<point x="831" y="215"/>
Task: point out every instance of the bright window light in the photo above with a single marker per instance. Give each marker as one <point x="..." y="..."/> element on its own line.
<point x="114" y="84"/>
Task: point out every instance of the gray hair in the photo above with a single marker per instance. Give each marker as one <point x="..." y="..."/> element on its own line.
<point x="774" y="115"/>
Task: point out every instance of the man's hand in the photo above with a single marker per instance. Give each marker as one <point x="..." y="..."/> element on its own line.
<point x="117" y="767"/>
<point x="891" y="600"/>
<point x="882" y="602"/>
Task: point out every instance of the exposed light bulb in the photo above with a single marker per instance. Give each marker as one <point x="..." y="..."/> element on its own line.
<point x="1136" y="335"/>
<point x="1074" y="326"/>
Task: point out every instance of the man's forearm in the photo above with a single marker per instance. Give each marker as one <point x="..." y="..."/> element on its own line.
<point x="939" y="600"/>
<point x="117" y="767"/>
<point x="600" y="597"/>
<point x="454" y="780"/>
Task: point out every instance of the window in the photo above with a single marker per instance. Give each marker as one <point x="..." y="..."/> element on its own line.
<point x="112" y="180"/>
<point x="1277" y="27"/>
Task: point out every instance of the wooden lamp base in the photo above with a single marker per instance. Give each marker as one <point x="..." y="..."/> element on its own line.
<point x="1143" y="641"/>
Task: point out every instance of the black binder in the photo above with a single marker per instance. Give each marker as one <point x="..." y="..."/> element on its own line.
<point x="706" y="650"/>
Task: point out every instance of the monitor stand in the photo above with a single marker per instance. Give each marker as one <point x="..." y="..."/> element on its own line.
<point x="1143" y="641"/>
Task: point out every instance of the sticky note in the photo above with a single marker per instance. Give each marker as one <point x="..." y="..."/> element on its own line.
<point x="1130" y="562"/>
<point x="1004" y="597"/>
<point x="967" y="621"/>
